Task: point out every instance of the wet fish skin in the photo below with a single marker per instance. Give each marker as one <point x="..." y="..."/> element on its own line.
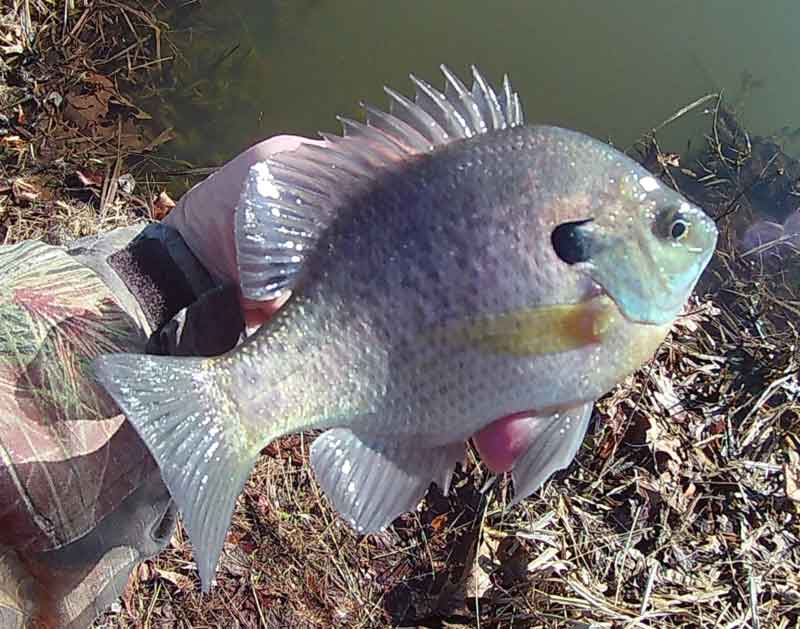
<point x="427" y="300"/>
<point x="457" y="236"/>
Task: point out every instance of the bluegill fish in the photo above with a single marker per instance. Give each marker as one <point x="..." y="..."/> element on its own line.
<point x="448" y="265"/>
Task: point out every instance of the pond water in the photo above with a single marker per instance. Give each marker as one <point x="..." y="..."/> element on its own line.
<point x="249" y="69"/>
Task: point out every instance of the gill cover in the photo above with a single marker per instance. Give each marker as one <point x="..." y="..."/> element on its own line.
<point x="647" y="255"/>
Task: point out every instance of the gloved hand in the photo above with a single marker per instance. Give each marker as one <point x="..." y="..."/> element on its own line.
<point x="204" y="217"/>
<point x="81" y="500"/>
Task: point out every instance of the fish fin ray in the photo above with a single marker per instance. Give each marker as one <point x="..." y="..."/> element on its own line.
<point x="511" y="105"/>
<point x="550" y="449"/>
<point x="454" y="453"/>
<point x="487" y="102"/>
<point x="204" y="460"/>
<point x="440" y="108"/>
<point x="289" y="199"/>
<point x="371" y="482"/>
<point x="277" y="219"/>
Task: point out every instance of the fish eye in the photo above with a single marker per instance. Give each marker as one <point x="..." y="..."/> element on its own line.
<point x="679" y="229"/>
<point x="671" y="224"/>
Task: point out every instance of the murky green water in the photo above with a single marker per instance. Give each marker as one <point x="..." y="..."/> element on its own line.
<point x="613" y="68"/>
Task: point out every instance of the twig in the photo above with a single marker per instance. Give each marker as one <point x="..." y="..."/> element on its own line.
<point x="648" y="590"/>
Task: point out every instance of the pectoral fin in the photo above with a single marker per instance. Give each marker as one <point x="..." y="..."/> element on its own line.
<point x="543" y="330"/>
<point x="555" y="440"/>
<point x="371" y="482"/>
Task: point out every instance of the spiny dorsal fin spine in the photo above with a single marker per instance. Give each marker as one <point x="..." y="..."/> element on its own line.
<point x="317" y="182"/>
<point x="457" y="92"/>
<point x="484" y="95"/>
<point x="507" y="99"/>
<point x="433" y="101"/>
<point x="405" y="137"/>
<point x="415" y="116"/>
<point x="336" y="161"/>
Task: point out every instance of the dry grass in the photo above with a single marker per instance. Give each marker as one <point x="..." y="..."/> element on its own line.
<point x="681" y="509"/>
<point x="68" y="134"/>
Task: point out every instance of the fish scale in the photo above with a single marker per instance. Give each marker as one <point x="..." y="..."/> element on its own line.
<point x="446" y="266"/>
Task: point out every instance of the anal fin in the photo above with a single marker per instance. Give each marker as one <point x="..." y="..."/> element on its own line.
<point x="371" y="482"/>
<point x="555" y="440"/>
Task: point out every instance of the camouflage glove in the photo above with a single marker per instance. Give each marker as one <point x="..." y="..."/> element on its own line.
<point x="81" y="500"/>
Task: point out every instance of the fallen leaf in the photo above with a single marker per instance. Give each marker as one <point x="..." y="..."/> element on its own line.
<point x="13" y="142"/>
<point x="86" y="110"/>
<point x="128" y="595"/>
<point x="12" y="49"/>
<point x="669" y="159"/>
<point x="181" y="581"/>
<point x="660" y="441"/>
<point x="126" y="183"/>
<point x="479" y="577"/>
<point x="162" y="206"/>
<point x="665" y="396"/>
<point x="145" y="573"/>
<point x="93" y="78"/>
<point x="55" y="99"/>
<point x="438" y="522"/>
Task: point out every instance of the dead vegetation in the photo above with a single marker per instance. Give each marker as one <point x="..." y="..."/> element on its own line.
<point x="69" y="135"/>
<point x="681" y="509"/>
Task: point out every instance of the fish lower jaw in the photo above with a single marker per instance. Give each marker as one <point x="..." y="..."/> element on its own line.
<point x="595" y="290"/>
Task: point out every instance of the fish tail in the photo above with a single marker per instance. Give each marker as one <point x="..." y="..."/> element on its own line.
<point x="193" y="430"/>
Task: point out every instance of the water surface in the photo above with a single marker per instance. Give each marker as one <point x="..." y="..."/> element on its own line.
<point x="254" y="68"/>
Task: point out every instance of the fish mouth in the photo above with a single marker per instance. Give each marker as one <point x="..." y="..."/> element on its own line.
<point x="595" y="290"/>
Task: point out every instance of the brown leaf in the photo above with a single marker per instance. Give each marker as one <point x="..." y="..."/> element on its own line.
<point x="162" y="206"/>
<point x="660" y="440"/>
<point x="669" y="159"/>
<point x="666" y="398"/>
<point x="86" y="110"/>
<point x="12" y="49"/>
<point x="145" y="572"/>
<point x="181" y="581"/>
<point x="438" y="522"/>
<point x="93" y="78"/>
<point x="128" y="595"/>
<point x="479" y="577"/>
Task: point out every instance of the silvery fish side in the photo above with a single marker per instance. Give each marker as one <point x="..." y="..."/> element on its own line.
<point x="447" y="266"/>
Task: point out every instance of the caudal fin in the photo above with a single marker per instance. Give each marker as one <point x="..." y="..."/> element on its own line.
<point x="186" y="421"/>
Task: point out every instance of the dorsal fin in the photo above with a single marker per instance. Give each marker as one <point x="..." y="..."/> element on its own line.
<point x="290" y="198"/>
